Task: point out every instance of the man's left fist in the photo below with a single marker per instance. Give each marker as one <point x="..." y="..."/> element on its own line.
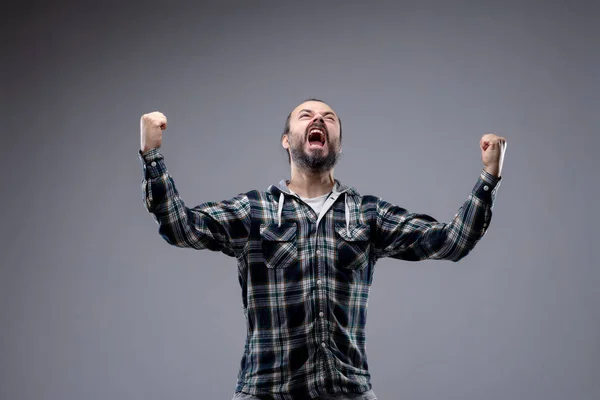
<point x="493" y="148"/>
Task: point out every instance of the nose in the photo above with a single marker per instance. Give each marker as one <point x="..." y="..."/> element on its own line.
<point x="318" y="118"/>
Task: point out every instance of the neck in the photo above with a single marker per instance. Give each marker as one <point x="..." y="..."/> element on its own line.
<point x="310" y="184"/>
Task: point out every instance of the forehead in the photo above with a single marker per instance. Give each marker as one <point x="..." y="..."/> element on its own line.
<point x="315" y="106"/>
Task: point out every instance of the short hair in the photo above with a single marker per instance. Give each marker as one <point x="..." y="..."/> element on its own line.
<point x="286" y="128"/>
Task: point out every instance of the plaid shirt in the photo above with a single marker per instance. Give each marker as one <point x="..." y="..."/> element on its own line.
<point x="305" y="278"/>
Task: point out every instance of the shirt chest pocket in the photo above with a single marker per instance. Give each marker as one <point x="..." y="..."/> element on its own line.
<point x="353" y="245"/>
<point x="279" y="244"/>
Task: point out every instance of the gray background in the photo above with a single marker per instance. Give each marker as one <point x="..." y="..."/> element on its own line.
<point x="94" y="304"/>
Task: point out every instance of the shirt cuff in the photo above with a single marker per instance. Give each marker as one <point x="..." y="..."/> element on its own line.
<point x="486" y="186"/>
<point x="153" y="164"/>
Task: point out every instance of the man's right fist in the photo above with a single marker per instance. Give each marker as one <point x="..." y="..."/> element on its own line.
<point x="151" y="127"/>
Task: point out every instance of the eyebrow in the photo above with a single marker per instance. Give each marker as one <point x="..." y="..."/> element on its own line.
<point x="311" y="111"/>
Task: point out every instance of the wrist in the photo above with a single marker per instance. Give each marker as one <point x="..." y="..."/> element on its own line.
<point x="492" y="170"/>
<point x="146" y="149"/>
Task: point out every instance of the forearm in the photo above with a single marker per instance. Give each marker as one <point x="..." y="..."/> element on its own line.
<point x="162" y="200"/>
<point x="217" y="226"/>
<point x="472" y="220"/>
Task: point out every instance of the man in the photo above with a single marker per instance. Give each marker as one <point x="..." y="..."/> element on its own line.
<point x="306" y="250"/>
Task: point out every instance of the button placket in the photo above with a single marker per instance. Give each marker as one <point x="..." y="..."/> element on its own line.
<point x="321" y="298"/>
<point x="320" y="304"/>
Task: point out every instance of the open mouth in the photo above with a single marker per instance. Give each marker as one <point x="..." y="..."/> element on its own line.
<point x="316" y="137"/>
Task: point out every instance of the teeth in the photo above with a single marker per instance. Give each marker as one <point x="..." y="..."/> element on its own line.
<point x="319" y="131"/>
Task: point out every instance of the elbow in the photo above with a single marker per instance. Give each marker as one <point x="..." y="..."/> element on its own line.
<point x="460" y="255"/>
<point x="171" y="237"/>
<point x="457" y="259"/>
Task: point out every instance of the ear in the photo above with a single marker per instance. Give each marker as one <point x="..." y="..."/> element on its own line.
<point x="284" y="142"/>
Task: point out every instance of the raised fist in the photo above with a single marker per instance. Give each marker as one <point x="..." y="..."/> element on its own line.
<point x="493" y="148"/>
<point x="151" y="127"/>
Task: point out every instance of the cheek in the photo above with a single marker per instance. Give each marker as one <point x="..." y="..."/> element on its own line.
<point x="298" y="131"/>
<point x="334" y="129"/>
<point x="298" y="126"/>
<point x="334" y="135"/>
<point x="295" y="138"/>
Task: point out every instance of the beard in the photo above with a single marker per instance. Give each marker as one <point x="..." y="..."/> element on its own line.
<point x="314" y="160"/>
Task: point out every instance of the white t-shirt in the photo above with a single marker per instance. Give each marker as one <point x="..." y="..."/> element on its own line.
<point x="316" y="203"/>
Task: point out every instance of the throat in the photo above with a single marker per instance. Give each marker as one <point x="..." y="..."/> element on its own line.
<point x="311" y="189"/>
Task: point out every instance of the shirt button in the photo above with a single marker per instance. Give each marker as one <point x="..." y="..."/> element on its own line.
<point x="318" y="281"/>
<point x="484" y="224"/>
<point x="321" y="314"/>
<point x="318" y="252"/>
<point x="323" y="344"/>
<point x="153" y="163"/>
<point x="486" y="188"/>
